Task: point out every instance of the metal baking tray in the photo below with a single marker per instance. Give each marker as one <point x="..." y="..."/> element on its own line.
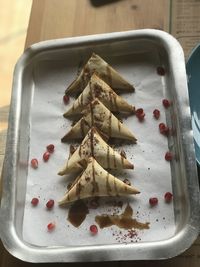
<point x="183" y="169"/>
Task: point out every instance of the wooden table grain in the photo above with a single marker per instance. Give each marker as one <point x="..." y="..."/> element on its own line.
<point x="52" y="19"/>
<point x="60" y="18"/>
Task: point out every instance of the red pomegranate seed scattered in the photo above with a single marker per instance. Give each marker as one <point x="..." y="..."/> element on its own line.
<point x="140" y="114"/>
<point x="34" y="163"/>
<point x="51" y="226"/>
<point x="93" y="229"/>
<point x="34" y="201"/>
<point x="168" y="156"/>
<point x="164" y="129"/>
<point x="50" y="204"/>
<point x="126" y="181"/>
<point x="168" y="197"/>
<point x="156" y="114"/>
<point x="166" y="103"/>
<point x="153" y="201"/>
<point x="66" y="99"/>
<point x="46" y="156"/>
<point x="160" y="71"/>
<point x="50" y="148"/>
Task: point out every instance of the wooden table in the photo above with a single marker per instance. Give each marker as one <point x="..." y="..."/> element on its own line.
<point x="52" y="19"/>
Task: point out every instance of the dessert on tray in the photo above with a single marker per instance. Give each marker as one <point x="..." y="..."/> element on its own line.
<point x="96" y="114"/>
<point x="97" y="65"/>
<point x="97" y="88"/>
<point x="93" y="145"/>
<point x="97" y="125"/>
<point x="95" y="181"/>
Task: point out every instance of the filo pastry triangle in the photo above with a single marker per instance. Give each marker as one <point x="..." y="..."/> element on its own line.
<point x="95" y="181"/>
<point x="97" y="65"/>
<point x="97" y="88"/>
<point x="96" y="114"/>
<point x="93" y="145"/>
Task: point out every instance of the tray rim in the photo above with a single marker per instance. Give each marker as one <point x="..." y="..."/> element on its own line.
<point x="134" y="251"/>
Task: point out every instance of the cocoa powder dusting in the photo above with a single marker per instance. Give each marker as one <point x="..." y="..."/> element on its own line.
<point x="123" y="220"/>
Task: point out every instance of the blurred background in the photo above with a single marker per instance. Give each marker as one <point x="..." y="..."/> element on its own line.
<point x="14" y="17"/>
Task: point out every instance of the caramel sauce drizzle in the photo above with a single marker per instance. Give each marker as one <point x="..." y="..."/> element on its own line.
<point x="108" y="75"/>
<point x="108" y="158"/>
<point x="77" y="213"/>
<point x="108" y="184"/>
<point x="123" y="220"/>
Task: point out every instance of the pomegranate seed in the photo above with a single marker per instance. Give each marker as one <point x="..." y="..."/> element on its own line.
<point x="93" y="229"/>
<point x="46" y="156"/>
<point x="168" y="156"/>
<point x="156" y="114"/>
<point x="126" y="181"/>
<point x="166" y="103"/>
<point x="66" y="99"/>
<point x="168" y="197"/>
<point x="153" y="201"/>
<point x="34" y="163"/>
<point x="34" y="201"/>
<point x="163" y="129"/>
<point x="141" y="117"/>
<point x="160" y="71"/>
<point x="140" y="114"/>
<point x="50" y="204"/>
<point x="50" y="148"/>
<point x="51" y="226"/>
<point x="139" y="111"/>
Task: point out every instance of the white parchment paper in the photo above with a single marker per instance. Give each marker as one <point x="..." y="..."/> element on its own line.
<point x="152" y="173"/>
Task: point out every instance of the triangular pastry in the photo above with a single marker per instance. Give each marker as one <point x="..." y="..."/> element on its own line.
<point x="95" y="181"/>
<point x="97" y="88"/>
<point x="96" y="114"/>
<point x="94" y="146"/>
<point x="97" y="65"/>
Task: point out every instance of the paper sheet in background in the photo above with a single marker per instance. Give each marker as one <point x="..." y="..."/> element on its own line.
<point x="152" y="174"/>
<point x="185" y="23"/>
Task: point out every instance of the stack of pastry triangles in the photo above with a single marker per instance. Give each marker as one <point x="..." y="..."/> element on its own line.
<point x="97" y="124"/>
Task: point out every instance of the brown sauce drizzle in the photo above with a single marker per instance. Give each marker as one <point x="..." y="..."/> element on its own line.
<point x="123" y="220"/>
<point x="114" y="160"/>
<point x="109" y="76"/>
<point x="77" y="213"/>
<point x="82" y="126"/>
<point x="95" y="188"/>
<point x="92" y="114"/>
<point x="119" y="125"/>
<point x="115" y="102"/>
<point x="115" y="184"/>
<point x="110" y="100"/>
<point x="123" y="153"/>
<point x="109" y="124"/>
<point x="108" y="158"/>
<point x="92" y="142"/>
<point x="97" y="91"/>
<point x="108" y="184"/>
<point x="78" y="189"/>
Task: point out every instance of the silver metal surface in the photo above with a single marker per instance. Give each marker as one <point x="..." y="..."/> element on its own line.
<point x="184" y="175"/>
